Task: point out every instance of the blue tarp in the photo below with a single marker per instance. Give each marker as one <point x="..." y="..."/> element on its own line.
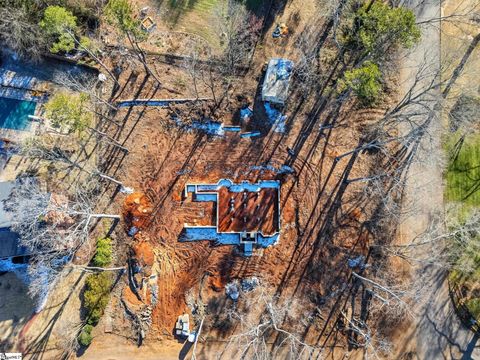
<point x="265" y="241"/>
<point x="205" y="197"/>
<point x="284" y="69"/>
<point x="284" y="169"/>
<point x="250" y="134"/>
<point x="209" y="233"/>
<point x="154" y="102"/>
<point x="277" y="119"/>
<point x="232" y="128"/>
<point x="245" y="113"/>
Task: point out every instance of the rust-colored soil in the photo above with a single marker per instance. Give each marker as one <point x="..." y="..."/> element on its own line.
<point x="308" y="257"/>
<point x="323" y="218"/>
<point x="144" y="253"/>
<point x="252" y="212"/>
<point x="137" y="209"/>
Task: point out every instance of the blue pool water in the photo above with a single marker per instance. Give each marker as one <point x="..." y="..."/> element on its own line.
<point x="14" y="113"/>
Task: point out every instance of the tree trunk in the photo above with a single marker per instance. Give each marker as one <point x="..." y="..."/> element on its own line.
<point x="94" y="57"/>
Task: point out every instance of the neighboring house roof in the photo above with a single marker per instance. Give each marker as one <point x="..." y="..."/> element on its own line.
<point x="5" y="190"/>
<point x="9" y="245"/>
<point x="277" y="80"/>
<point x="9" y="241"/>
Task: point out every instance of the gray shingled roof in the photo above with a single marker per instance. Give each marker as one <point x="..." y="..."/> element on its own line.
<point x="9" y="241"/>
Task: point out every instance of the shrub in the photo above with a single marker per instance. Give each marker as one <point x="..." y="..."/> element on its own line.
<point x="58" y="22"/>
<point x="103" y="255"/>
<point x="473" y="305"/>
<point x="121" y="13"/>
<point x="57" y="19"/>
<point x="68" y="111"/>
<point x="364" y="81"/>
<point x="380" y="26"/>
<point x="96" y="296"/>
<point x="85" y="337"/>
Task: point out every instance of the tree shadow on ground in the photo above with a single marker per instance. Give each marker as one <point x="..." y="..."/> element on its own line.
<point x="37" y="347"/>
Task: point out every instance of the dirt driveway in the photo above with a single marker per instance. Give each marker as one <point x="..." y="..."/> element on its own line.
<point x="436" y="333"/>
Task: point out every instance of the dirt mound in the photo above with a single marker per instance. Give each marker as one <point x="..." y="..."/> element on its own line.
<point x="131" y="299"/>
<point x="143" y="253"/>
<point x="137" y="209"/>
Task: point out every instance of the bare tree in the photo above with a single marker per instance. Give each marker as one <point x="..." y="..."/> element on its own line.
<point x="19" y="34"/>
<point x="364" y="338"/>
<point x="192" y="65"/>
<point x="239" y="30"/>
<point x="68" y="337"/>
<point x="52" y="226"/>
<point x="92" y="54"/>
<point x="85" y="84"/>
<point x="202" y="69"/>
<point x="255" y="337"/>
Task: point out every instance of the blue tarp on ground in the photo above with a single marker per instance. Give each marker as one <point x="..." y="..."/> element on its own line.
<point x="266" y="241"/>
<point x="277" y="119"/>
<point x="209" y="233"/>
<point x="205" y="197"/>
<point x="250" y="134"/>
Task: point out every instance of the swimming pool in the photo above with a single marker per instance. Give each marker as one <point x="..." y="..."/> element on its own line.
<point x="14" y="113"/>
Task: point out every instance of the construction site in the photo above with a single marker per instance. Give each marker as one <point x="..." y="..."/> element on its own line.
<point x="238" y="194"/>
<point x="221" y="180"/>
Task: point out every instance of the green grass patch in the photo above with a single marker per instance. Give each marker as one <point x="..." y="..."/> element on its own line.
<point x="463" y="187"/>
<point x="194" y="16"/>
<point x="463" y="172"/>
<point x="197" y="5"/>
<point x="200" y="16"/>
<point x="465" y="274"/>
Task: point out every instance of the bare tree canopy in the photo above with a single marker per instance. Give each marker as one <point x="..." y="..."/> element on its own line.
<point x="52" y="226"/>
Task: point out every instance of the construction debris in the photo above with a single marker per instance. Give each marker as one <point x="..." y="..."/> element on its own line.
<point x="182" y="327"/>
<point x="246" y="113"/>
<point x="357" y="262"/>
<point x="232" y="291"/>
<point x="141" y="320"/>
<point x="277" y="119"/>
<point x="281" y="30"/>
<point x="249" y="284"/>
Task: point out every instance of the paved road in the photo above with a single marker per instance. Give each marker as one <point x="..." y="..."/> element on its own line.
<point x="436" y="333"/>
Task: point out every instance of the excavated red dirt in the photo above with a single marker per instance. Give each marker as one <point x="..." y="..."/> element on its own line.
<point x="137" y="209"/>
<point x="130" y="297"/>
<point x="309" y="259"/>
<point x="143" y="253"/>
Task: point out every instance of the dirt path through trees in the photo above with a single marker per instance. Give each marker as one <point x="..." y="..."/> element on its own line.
<point x="436" y="333"/>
